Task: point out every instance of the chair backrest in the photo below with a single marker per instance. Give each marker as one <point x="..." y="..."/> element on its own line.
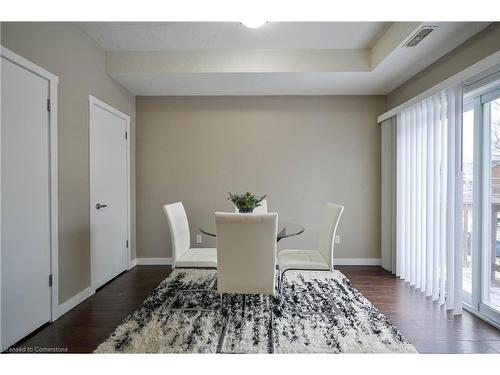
<point x="328" y="227"/>
<point x="262" y="209"/>
<point x="179" y="229"/>
<point x="246" y="252"/>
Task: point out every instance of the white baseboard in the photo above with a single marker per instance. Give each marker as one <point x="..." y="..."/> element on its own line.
<point x="133" y="263"/>
<point x="153" y="261"/>
<point x="336" y="261"/>
<point x="356" y="261"/>
<point x="73" y="301"/>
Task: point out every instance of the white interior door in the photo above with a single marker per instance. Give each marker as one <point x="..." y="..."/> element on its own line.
<point x="25" y="203"/>
<point x="108" y="192"/>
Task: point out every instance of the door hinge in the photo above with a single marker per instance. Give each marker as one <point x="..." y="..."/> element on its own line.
<point x="125" y="135"/>
<point x="126" y="244"/>
<point x="50" y="280"/>
<point x="48" y="105"/>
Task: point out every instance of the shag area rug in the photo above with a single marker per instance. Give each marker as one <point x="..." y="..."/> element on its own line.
<point x="317" y="312"/>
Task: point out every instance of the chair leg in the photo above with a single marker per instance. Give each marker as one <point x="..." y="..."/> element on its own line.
<point x="280" y="281"/>
<point x="223" y="303"/>
<point x="225" y="317"/>
<point x="271" y="335"/>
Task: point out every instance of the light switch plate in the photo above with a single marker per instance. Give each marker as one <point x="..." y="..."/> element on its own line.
<point x="337" y="239"/>
<point x="198" y="238"/>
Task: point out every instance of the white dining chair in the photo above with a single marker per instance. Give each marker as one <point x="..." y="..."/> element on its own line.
<point x="262" y="209"/>
<point x="183" y="256"/>
<point x="321" y="258"/>
<point x="246" y="252"/>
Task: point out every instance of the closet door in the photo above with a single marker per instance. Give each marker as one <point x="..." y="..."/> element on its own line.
<point x="108" y="192"/>
<point x="25" y="203"/>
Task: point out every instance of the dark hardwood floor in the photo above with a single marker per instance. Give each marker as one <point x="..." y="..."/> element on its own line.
<point x="425" y="324"/>
<point x="90" y="323"/>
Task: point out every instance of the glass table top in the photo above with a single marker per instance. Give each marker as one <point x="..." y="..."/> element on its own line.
<point x="285" y="229"/>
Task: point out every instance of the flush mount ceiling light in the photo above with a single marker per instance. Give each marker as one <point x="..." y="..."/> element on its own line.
<point x="253" y="24"/>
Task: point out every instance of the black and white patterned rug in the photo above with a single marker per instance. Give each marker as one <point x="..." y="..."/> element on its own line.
<point x="317" y="312"/>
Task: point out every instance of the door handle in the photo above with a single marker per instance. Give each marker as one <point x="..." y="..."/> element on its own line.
<point x="99" y="206"/>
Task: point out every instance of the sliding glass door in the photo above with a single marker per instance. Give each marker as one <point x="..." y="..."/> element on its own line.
<point x="468" y="188"/>
<point x="481" y="200"/>
<point x="490" y="257"/>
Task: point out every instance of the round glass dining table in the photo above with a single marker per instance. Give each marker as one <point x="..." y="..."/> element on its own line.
<point x="285" y="229"/>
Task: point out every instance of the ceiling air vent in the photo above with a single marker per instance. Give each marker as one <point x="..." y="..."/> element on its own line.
<point x="419" y="36"/>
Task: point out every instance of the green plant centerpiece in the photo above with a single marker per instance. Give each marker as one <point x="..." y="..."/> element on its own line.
<point x="246" y="202"/>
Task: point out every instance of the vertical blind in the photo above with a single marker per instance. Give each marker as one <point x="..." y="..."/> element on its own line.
<point x="388" y="194"/>
<point x="429" y="197"/>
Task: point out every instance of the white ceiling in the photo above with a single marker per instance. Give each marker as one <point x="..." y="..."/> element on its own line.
<point x="300" y="58"/>
<point x="165" y="36"/>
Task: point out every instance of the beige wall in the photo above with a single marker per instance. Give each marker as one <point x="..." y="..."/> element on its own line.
<point x="301" y="151"/>
<point x="476" y="48"/>
<point x="68" y="52"/>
